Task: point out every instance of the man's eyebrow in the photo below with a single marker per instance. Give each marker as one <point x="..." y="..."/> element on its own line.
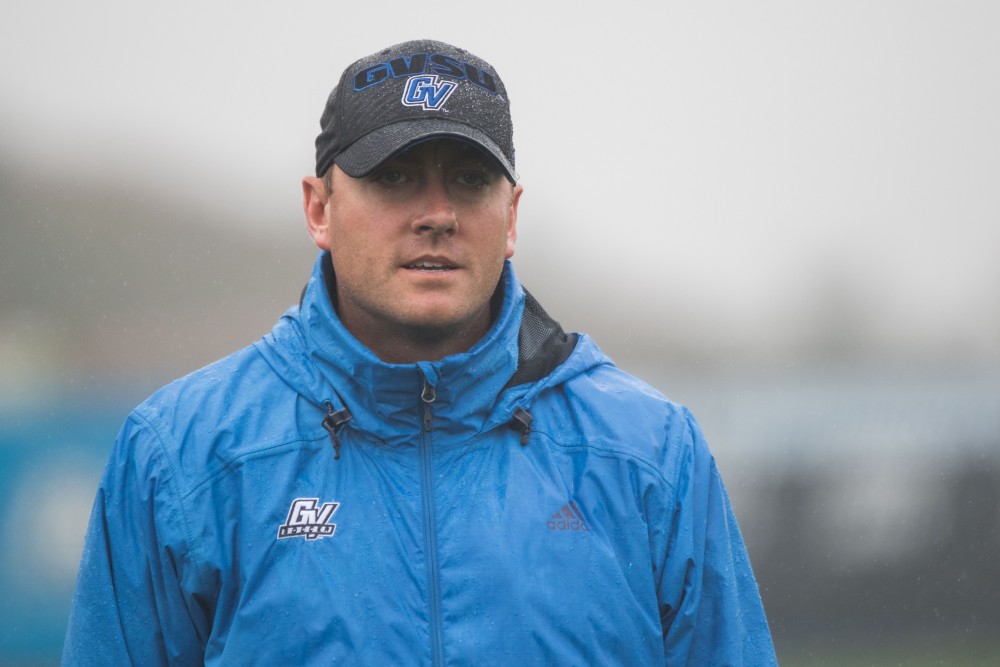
<point x="460" y="156"/>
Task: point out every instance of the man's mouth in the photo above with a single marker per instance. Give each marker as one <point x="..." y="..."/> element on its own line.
<point x="426" y="265"/>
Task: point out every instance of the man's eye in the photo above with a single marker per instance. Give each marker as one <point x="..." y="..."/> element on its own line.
<point x="472" y="179"/>
<point x="391" y="177"/>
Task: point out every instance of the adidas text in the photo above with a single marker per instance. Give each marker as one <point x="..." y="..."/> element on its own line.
<point x="569" y="517"/>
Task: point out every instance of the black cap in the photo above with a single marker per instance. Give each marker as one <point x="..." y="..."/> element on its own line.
<point x="408" y="93"/>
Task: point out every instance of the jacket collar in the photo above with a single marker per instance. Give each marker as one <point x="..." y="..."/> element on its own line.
<point x="523" y="352"/>
<point x="386" y="398"/>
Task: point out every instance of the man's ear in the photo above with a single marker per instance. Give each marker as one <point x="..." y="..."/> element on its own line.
<point x="314" y="201"/>
<point x="512" y="220"/>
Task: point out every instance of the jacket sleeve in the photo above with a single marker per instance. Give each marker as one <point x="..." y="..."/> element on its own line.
<point x="710" y="606"/>
<point x="129" y="607"/>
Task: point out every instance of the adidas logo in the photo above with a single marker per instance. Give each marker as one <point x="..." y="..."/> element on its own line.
<point x="569" y="517"/>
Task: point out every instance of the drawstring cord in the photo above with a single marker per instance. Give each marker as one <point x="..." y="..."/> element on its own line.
<point x="522" y="420"/>
<point x="333" y="422"/>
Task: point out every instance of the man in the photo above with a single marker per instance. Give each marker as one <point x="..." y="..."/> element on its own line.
<point x="417" y="465"/>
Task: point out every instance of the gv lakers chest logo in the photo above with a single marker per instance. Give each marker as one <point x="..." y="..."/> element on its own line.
<point x="308" y="519"/>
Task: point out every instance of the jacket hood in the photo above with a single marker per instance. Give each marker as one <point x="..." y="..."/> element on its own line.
<point x="522" y="352"/>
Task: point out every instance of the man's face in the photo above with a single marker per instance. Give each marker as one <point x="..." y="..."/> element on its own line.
<point x="418" y="245"/>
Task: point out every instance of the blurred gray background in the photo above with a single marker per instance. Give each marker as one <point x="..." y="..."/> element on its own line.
<point x="785" y="215"/>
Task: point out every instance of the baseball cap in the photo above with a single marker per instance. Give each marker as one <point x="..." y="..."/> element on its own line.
<point x="408" y="93"/>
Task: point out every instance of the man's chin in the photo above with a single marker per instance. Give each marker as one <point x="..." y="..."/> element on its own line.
<point x="435" y="325"/>
<point x="440" y="323"/>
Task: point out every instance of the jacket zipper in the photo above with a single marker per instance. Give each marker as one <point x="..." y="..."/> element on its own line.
<point x="427" y="397"/>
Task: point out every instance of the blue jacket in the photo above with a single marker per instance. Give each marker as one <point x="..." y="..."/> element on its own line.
<point x="302" y="502"/>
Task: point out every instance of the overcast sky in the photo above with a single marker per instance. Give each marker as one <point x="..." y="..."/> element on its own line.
<point x="738" y="165"/>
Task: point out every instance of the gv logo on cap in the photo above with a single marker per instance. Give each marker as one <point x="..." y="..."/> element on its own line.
<point x="427" y="91"/>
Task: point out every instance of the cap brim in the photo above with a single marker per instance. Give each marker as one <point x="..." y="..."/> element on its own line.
<point x="367" y="153"/>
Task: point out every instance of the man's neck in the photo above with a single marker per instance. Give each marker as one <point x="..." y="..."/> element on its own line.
<point x="407" y="345"/>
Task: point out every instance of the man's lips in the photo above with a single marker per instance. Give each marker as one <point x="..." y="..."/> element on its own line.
<point x="431" y="264"/>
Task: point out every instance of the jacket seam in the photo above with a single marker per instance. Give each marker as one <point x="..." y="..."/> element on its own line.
<point x="229" y="463"/>
<point x="610" y="452"/>
<point x="683" y="435"/>
<point x="179" y="494"/>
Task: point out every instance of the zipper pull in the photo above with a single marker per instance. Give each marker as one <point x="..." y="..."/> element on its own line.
<point x="428" y="396"/>
<point x="333" y="423"/>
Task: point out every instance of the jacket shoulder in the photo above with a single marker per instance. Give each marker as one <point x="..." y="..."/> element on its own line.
<point x="219" y="413"/>
<point x="615" y="414"/>
<point x="208" y="394"/>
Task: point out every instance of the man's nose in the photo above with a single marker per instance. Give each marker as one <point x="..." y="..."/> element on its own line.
<point x="435" y="210"/>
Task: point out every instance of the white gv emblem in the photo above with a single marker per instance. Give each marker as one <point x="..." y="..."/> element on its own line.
<point x="427" y="91"/>
<point x="306" y="519"/>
